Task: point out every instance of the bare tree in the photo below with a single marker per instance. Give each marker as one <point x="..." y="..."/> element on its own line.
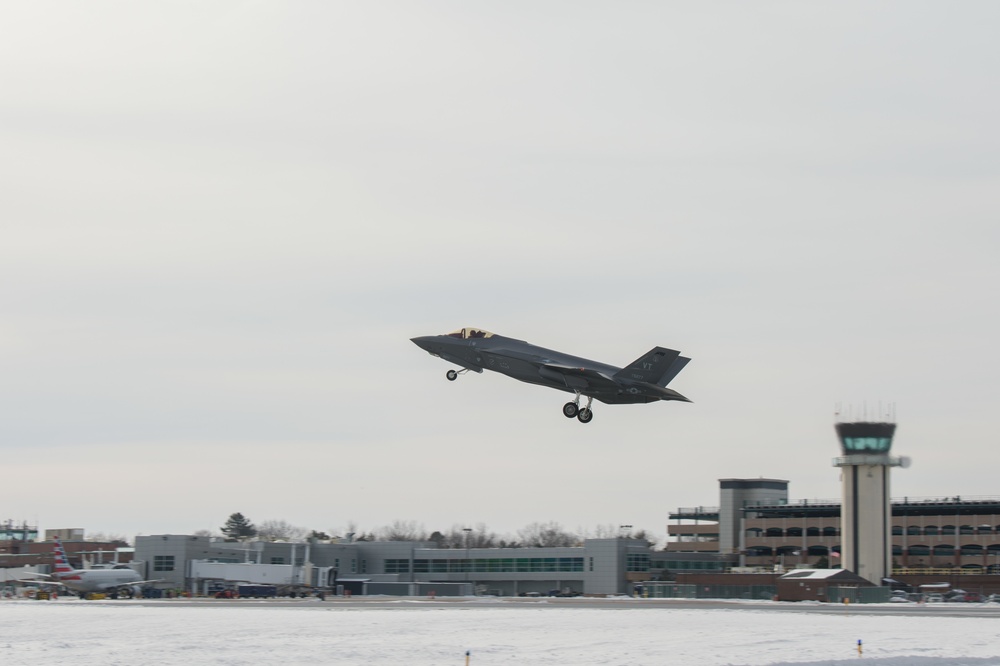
<point x="280" y="530"/>
<point x="611" y="531"/>
<point x="547" y="535"/>
<point x="482" y="537"/>
<point x="606" y="531"/>
<point x="350" y="532"/>
<point x="104" y="537"/>
<point x="402" y="530"/>
<point x="204" y="533"/>
<point x="458" y="536"/>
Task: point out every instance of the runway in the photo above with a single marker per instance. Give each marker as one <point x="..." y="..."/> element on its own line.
<point x="594" y="603"/>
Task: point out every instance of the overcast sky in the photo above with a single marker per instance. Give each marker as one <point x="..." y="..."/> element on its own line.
<point x="222" y="222"/>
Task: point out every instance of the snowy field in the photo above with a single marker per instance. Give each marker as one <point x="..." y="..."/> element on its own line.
<point x="412" y="633"/>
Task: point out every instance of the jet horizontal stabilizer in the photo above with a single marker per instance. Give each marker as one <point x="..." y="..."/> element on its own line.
<point x="672" y="371"/>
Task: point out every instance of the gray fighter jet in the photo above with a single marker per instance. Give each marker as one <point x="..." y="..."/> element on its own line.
<point x="643" y="380"/>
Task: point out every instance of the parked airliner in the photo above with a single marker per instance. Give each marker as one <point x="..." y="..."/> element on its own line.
<point x="120" y="581"/>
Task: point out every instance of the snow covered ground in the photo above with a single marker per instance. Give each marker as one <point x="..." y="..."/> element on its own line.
<point x="409" y="632"/>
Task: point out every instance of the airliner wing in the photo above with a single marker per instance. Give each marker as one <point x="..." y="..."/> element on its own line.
<point x="8" y="578"/>
<point x="110" y="585"/>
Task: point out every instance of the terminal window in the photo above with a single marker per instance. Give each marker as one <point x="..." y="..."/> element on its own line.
<point x="163" y="563"/>
<point x="500" y="565"/>
<point x="637" y="562"/>
<point x="397" y="566"/>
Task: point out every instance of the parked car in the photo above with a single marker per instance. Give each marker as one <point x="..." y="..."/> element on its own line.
<point x="934" y="598"/>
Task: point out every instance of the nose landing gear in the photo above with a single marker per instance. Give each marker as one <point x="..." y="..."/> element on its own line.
<point x="452" y="375"/>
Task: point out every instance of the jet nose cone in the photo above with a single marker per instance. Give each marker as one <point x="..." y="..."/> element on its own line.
<point x="424" y="342"/>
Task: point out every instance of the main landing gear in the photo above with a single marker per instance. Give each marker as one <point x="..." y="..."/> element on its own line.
<point x="452" y="375"/>
<point x="571" y="409"/>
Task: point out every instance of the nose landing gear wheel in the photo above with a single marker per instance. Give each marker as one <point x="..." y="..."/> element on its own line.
<point x="585" y="415"/>
<point x="451" y="375"/>
<point x="570" y="409"/>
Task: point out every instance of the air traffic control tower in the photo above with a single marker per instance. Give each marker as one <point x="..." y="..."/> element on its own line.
<point x="865" y="512"/>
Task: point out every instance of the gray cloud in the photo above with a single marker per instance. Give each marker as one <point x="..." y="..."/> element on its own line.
<point x="222" y="224"/>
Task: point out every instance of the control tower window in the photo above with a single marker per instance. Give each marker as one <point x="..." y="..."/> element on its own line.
<point x="859" y="444"/>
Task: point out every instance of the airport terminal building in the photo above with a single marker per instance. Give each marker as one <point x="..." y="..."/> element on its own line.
<point x="757" y="525"/>
<point x="199" y="564"/>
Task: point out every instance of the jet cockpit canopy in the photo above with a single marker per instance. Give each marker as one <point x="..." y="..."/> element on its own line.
<point x="468" y="333"/>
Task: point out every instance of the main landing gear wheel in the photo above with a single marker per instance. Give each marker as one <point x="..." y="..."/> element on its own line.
<point x="451" y="375"/>
<point x="571" y="409"/>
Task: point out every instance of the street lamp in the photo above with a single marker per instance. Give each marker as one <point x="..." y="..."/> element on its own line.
<point x="468" y="564"/>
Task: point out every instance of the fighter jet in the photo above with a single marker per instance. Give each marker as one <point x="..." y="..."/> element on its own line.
<point x="643" y="380"/>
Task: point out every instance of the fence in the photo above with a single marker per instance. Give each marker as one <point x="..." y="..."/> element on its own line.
<point x="858" y="595"/>
<point x="678" y="591"/>
<point x="835" y="594"/>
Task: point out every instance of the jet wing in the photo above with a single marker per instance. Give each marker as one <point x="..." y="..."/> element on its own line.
<point x="577" y="377"/>
<point x="573" y="376"/>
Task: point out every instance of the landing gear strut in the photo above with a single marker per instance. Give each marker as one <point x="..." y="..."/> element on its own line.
<point x="571" y="409"/>
<point x="452" y="375"/>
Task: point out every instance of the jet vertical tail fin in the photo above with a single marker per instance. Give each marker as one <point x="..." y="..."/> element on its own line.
<point x="658" y="366"/>
<point x="62" y="563"/>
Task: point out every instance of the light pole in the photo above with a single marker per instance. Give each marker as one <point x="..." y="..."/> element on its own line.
<point x="468" y="564"/>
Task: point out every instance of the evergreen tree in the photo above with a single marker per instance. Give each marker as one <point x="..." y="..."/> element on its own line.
<point x="238" y="527"/>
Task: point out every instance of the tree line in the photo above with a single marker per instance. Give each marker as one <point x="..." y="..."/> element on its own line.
<point x="536" y="535"/>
